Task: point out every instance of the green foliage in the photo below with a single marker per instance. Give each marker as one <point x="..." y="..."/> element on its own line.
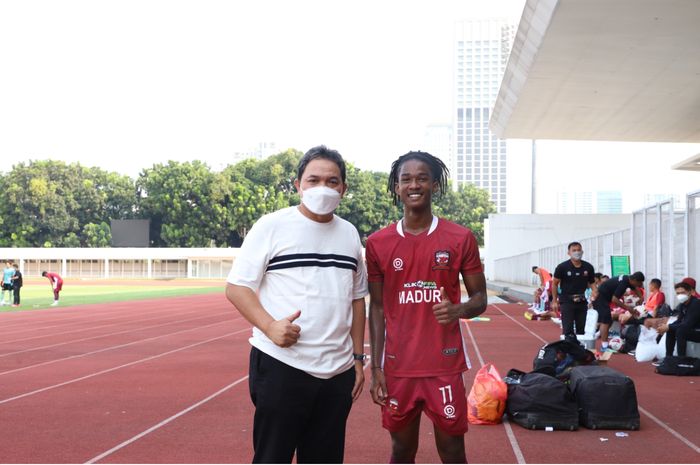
<point x="48" y="203"/>
<point x="54" y="204"/>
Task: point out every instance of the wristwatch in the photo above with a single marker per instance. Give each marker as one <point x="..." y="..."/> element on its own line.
<point x="359" y="357"/>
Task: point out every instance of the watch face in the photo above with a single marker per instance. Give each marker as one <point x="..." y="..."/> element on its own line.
<point x="360" y="357"/>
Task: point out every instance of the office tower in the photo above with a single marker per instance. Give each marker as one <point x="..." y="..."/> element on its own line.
<point x="438" y="141"/>
<point x="609" y="202"/>
<point x="481" y="53"/>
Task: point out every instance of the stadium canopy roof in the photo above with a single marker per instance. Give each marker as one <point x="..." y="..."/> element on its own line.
<point x="622" y="70"/>
<point x="690" y="164"/>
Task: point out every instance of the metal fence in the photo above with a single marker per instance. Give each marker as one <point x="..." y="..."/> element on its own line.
<point x="597" y="251"/>
<point x="663" y="242"/>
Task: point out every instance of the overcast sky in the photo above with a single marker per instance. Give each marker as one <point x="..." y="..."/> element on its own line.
<point x="126" y="84"/>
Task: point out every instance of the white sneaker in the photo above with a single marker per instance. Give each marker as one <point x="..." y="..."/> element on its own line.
<point x="55" y="303"/>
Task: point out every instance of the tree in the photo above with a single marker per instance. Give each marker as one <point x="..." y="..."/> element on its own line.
<point x="468" y="206"/>
<point x="184" y="203"/>
<point x="97" y="235"/>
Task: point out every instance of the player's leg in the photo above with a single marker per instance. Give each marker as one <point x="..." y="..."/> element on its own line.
<point x="451" y="448"/>
<point x="567" y="321"/>
<point x="446" y="405"/>
<point x="401" y="417"/>
<point x="323" y="438"/>
<point x="404" y="443"/>
<point x="580" y="314"/>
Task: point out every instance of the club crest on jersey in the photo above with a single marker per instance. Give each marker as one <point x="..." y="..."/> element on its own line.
<point x="442" y="260"/>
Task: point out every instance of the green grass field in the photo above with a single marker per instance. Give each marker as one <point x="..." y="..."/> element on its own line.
<point x="34" y="296"/>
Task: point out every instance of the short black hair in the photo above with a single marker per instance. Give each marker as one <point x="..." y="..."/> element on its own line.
<point x="656" y="281"/>
<point x="637" y="276"/>
<point x="43" y="273"/>
<point x="534" y="268"/>
<point x="683" y="285"/>
<point x="439" y="171"/>
<point x="573" y="244"/>
<point x="321" y="151"/>
<point x="597" y="275"/>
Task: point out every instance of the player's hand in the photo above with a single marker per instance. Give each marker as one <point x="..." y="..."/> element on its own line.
<point x="554" y="305"/>
<point x="378" y="387"/>
<point x="446" y="312"/>
<point x="359" y="380"/>
<point x="284" y="332"/>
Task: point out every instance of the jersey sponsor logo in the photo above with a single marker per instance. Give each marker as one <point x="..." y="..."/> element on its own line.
<point x="449" y="352"/>
<point x="398" y="264"/>
<point x="442" y="260"/>
<point x="449" y="411"/>
<point x="419" y="296"/>
<point x="394" y="405"/>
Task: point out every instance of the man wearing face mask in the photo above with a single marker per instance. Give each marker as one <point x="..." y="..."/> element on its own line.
<point x="300" y="280"/>
<point x="687" y="326"/>
<point x="574" y="276"/>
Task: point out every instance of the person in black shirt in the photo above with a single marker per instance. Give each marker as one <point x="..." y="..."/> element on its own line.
<point x="687" y="326"/>
<point x="611" y="291"/>
<point x="574" y="276"/>
<point x="16" y="284"/>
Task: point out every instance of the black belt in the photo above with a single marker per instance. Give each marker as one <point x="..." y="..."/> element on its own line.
<point x="576" y="298"/>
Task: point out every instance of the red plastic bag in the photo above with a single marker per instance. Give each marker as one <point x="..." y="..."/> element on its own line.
<point x="487" y="399"/>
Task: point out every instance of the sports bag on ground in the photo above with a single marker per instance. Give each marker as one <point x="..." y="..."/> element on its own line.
<point x="539" y="401"/>
<point x="679" y="366"/>
<point x="557" y="358"/>
<point x="606" y="398"/>
<point x="630" y="333"/>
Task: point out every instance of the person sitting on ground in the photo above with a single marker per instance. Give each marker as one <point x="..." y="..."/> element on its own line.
<point x="691" y="282"/>
<point x="687" y="326"/>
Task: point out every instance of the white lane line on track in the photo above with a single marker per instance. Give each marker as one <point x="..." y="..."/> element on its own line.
<point x="509" y="429"/>
<point x="165" y="422"/>
<point x="106" y="349"/>
<point x="132" y="330"/>
<point x="109" y="370"/>
<point x="675" y="433"/>
<point x="122" y="319"/>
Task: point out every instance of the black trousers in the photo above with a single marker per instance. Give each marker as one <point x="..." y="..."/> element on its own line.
<point x="16" y="292"/>
<point x="573" y="314"/>
<point x="295" y="411"/>
<point x="681" y="336"/>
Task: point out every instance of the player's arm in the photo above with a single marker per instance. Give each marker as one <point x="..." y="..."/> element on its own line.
<point x="357" y="334"/>
<point x="555" y="293"/>
<point x="447" y="312"/>
<point x="377" y="326"/>
<point x="282" y="332"/>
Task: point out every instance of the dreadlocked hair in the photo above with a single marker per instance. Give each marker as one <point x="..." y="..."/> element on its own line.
<point x="438" y="171"/>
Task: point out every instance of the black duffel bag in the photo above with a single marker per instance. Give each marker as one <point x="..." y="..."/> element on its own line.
<point x="539" y="401"/>
<point x="679" y="366"/>
<point x="606" y="398"/>
<point x="558" y="358"/>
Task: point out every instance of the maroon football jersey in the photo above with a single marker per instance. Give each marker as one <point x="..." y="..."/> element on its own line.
<point x="413" y="268"/>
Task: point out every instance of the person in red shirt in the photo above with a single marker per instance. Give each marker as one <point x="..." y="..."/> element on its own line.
<point x="418" y="355"/>
<point x="656" y="297"/>
<point x="56" y="285"/>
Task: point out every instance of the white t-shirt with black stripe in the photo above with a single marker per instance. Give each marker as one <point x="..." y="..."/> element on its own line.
<point x="295" y="263"/>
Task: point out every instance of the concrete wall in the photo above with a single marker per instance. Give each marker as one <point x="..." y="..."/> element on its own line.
<point x="509" y="235"/>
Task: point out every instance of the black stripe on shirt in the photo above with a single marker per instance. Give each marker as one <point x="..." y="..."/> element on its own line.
<point x="306" y="263"/>
<point x="317" y="256"/>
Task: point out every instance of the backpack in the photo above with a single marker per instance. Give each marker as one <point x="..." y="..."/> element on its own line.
<point x="663" y="311"/>
<point x="558" y="358"/>
<point x="679" y="366"/>
<point x="630" y="334"/>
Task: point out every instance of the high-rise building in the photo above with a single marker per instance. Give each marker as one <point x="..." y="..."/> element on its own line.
<point x="438" y="142"/>
<point x="608" y="202"/>
<point x="481" y="53"/>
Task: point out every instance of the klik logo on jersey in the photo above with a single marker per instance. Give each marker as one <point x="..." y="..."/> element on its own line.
<point x="419" y="292"/>
<point x="442" y="260"/>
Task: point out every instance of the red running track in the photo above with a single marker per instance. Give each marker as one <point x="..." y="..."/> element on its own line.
<point x="166" y="382"/>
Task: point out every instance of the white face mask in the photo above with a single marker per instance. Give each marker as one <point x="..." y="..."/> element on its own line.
<point x="576" y="255"/>
<point x="320" y="200"/>
<point x="682" y="298"/>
